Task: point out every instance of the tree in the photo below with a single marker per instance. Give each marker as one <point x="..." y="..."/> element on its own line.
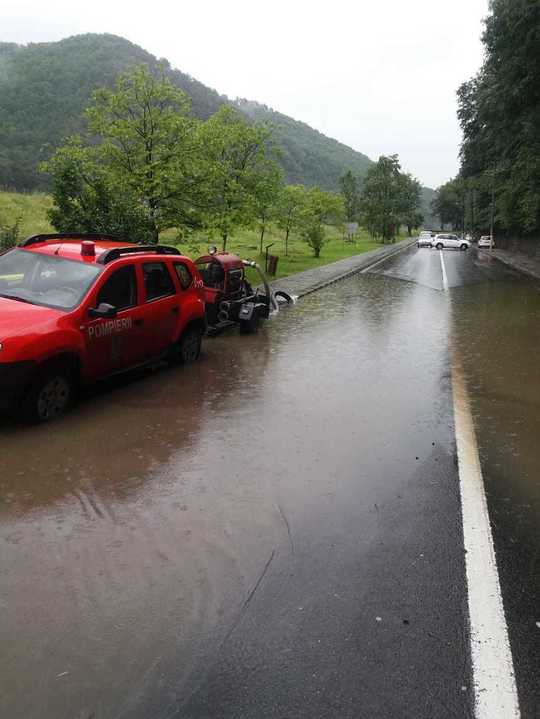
<point x="149" y="147"/>
<point x="382" y="200"/>
<point x="86" y="198"/>
<point x="290" y="203"/>
<point x="241" y="171"/>
<point x="266" y="192"/>
<point x="412" y="200"/>
<point x="499" y="117"/>
<point x="348" y="184"/>
<point x="449" y="204"/>
<point x="320" y="209"/>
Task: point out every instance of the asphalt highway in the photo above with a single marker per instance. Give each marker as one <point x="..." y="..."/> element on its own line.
<point x="278" y="530"/>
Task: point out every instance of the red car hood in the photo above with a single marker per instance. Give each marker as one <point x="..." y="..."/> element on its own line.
<point x="20" y="318"/>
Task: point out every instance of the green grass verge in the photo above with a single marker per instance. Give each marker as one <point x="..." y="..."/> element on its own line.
<point x="32" y="209"/>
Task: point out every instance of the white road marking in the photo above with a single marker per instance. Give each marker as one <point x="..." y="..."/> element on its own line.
<point x="493" y="671"/>
<point x="444" y="276"/>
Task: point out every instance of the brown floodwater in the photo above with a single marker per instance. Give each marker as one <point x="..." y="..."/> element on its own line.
<point x="134" y="530"/>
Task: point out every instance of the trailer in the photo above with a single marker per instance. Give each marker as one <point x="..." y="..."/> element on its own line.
<point x="230" y="298"/>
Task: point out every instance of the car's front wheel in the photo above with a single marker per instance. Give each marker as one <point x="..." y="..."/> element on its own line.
<point x="464" y="247"/>
<point x="50" y="394"/>
<point x="439" y="245"/>
<point x="188" y="348"/>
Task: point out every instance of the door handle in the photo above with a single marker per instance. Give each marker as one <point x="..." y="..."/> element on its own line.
<point x="139" y="322"/>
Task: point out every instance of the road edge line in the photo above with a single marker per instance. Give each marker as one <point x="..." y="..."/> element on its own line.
<point x="495" y="688"/>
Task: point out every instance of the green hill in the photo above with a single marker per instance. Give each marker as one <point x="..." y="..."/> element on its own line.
<point x="45" y="87"/>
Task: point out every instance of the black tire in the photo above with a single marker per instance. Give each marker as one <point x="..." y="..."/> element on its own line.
<point x="50" y="394"/>
<point x="464" y="247"/>
<point x="439" y="246"/>
<point x="418" y="245"/>
<point x="188" y="347"/>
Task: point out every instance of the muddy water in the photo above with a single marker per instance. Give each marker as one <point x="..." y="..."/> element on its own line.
<point x="301" y="467"/>
<point x="134" y="530"/>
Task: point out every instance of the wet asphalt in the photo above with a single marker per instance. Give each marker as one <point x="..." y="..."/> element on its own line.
<point x="276" y="530"/>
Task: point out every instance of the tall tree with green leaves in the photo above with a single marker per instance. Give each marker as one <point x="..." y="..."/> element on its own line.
<point x="138" y="171"/>
<point x="411" y="190"/>
<point x="149" y="146"/>
<point x="290" y="204"/>
<point x="241" y="171"/>
<point x="449" y="204"/>
<point x="86" y="198"/>
<point x="499" y="113"/>
<point x="266" y="192"/>
<point x="350" y="192"/>
<point x="319" y="209"/>
<point x="382" y="201"/>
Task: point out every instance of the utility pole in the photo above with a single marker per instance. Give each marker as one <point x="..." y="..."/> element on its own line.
<point x="492" y="212"/>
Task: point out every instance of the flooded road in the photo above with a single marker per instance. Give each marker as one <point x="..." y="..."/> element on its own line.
<point x="276" y="530"/>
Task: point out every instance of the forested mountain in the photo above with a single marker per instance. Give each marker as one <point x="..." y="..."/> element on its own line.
<point x="309" y="157"/>
<point x="45" y="87"/>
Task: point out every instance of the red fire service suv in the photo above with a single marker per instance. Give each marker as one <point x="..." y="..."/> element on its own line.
<point x="76" y="308"/>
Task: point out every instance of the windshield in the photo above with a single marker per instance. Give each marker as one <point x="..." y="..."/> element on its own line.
<point x="45" y="280"/>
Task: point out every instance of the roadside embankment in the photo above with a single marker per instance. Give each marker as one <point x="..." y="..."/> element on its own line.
<point x="518" y="261"/>
<point x="302" y="283"/>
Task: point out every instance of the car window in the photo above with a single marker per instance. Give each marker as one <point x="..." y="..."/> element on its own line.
<point x="120" y="290"/>
<point x="44" y="280"/>
<point x="157" y="280"/>
<point x="184" y="275"/>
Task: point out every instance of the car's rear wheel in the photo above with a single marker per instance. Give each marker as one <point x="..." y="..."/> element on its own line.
<point x="439" y="245"/>
<point x="188" y="347"/>
<point x="50" y="394"/>
<point x="463" y="247"/>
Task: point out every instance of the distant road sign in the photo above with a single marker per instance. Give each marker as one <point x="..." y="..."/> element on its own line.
<point x="352" y="228"/>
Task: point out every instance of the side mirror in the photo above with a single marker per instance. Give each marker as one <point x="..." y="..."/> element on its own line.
<point x="103" y="310"/>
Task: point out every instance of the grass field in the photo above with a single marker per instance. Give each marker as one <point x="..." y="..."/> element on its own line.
<point x="32" y="210"/>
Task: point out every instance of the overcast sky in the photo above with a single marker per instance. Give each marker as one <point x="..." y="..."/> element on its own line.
<point x="378" y="75"/>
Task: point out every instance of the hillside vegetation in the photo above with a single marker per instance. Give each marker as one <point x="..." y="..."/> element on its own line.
<point x="45" y="88"/>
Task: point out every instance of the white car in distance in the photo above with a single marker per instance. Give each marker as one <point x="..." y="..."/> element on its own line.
<point x="425" y="239"/>
<point x="486" y="241"/>
<point x="444" y="241"/>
